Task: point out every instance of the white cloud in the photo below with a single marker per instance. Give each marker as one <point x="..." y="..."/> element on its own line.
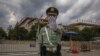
<point x="68" y="9"/>
<point x="12" y="19"/>
<point x="62" y="2"/>
<point x="75" y="10"/>
<point x="65" y="2"/>
<point x="44" y="8"/>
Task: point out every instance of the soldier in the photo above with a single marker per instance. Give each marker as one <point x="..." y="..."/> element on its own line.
<point x="50" y="35"/>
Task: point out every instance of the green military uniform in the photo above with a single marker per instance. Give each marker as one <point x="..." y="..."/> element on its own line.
<point x="49" y="37"/>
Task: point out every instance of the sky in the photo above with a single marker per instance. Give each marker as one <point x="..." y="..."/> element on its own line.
<point x="12" y="11"/>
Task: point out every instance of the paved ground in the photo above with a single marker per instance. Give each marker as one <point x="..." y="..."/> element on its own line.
<point x="9" y="50"/>
<point x="91" y="53"/>
<point x="20" y="54"/>
<point x="64" y="53"/>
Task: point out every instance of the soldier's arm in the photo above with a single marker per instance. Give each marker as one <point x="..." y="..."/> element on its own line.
<point x="59" y="30"/>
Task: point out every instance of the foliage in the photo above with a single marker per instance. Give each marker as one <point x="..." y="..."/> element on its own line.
<point x="17" y="33"/>
<point x="11" y="34"/>
<point x="97" y="31"/>
<point x="21" y="33"/>
<point x="2" y="33"/>
<point x="32" y="33"/>
<point x="87" y="33"/>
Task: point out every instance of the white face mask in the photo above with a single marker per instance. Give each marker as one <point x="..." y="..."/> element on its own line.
<point x="52" y="23"/>
<point x="51" y="19"/>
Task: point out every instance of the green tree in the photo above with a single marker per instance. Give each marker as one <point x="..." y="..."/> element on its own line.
<point x="32" y="33"/>
<point x="21" y="33"/>
<point x="2" y="33"/>
<point x="11" y="34"/>
<point x="17" y="33"/>
<point x="97" y="31"/>
<point x="86" y="34"/>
